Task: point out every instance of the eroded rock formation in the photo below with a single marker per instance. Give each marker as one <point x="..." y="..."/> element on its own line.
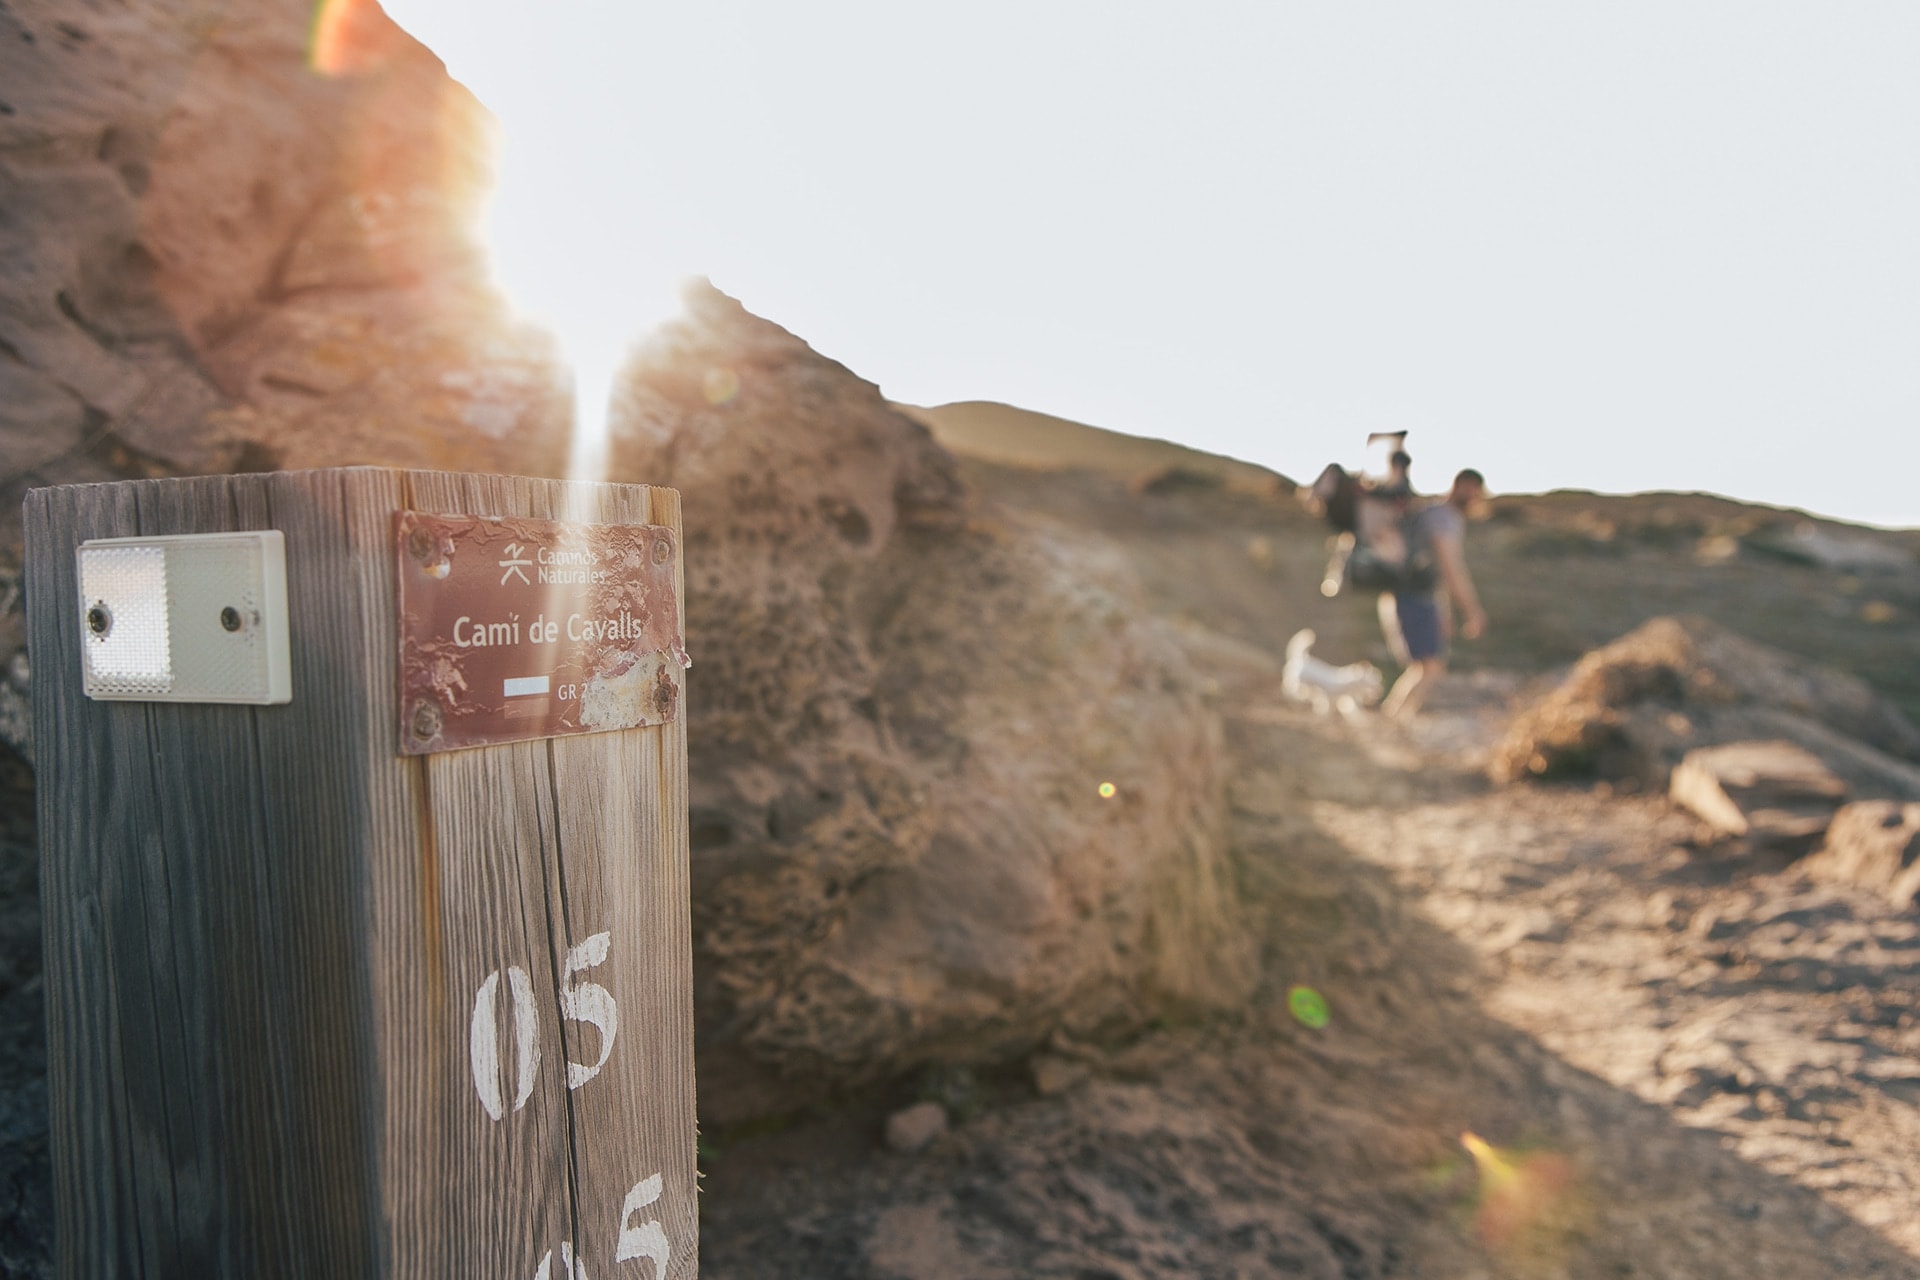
<point x="1629" y="711"/>
<point x="1773" y="794"/>
<point x="1875" y="845"/>
<point x="905" y="711"/>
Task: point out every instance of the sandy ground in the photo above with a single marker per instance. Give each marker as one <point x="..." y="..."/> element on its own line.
<point x="1684" y="1063"/>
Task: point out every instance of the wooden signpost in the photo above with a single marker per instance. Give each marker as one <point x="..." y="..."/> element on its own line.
<point x="331" y="992"/>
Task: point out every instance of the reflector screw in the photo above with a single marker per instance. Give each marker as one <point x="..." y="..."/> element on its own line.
<point x="426" y="720"/>
<point x="230" y="618"/>
<point x="99" y="620"/>
<point x="661" y="550"/>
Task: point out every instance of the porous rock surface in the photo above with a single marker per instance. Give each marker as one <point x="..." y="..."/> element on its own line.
<point x="902" y="713"/>
<point x="222" y="249"/>
<point x="226" y="247"/>
<point x="1628" y="712"/>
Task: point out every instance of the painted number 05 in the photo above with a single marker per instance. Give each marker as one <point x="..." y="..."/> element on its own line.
<point x="586" y="1002"/>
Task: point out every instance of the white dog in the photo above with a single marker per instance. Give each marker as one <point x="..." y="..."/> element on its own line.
<point x="1306" y="678"/>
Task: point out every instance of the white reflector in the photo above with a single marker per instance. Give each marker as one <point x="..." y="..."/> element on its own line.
<point x="191" y="618"/>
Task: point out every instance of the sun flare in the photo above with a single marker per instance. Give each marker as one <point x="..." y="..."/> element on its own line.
<point x="574" y="266"/>
<point x="575" y="242"/>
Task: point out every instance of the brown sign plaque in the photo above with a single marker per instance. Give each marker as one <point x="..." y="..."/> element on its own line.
<point x="514" y="628"/>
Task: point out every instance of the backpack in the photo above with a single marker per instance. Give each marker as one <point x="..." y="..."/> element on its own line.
<point x="1366" y="569"/>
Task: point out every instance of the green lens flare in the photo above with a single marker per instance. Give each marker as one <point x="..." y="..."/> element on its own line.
<point x="1309" y="1006"/>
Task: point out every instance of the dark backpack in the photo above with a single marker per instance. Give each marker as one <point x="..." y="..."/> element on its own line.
<point x="1366" y="570"/>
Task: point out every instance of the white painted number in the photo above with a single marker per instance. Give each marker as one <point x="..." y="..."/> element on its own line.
<point x="587" y="1002"/>
<point x="483" y="1041"/>
<point x="572" y="1268"/>
<point x="584" y="1002"/>
<point x="648" y="1240"/>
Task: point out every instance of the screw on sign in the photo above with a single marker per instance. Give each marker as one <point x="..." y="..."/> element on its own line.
<point x="587" y="1002"/>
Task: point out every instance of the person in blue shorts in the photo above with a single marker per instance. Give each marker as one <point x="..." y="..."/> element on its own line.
<point x="1419" y="624"/>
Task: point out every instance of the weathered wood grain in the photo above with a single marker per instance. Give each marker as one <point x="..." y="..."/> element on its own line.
<point x="267" y="933"/>
<point x="625" y="826"/>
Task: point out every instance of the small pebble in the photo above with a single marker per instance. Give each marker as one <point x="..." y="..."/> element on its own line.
<point x="911" y="1128"/>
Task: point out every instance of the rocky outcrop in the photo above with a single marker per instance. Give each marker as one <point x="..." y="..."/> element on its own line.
<point x="225" y="247"/>
<point x="951" y="788"/>
<point x="1629" y="711"/>
<point x="1873" y="845"/>
<point x="1774" y="794"/>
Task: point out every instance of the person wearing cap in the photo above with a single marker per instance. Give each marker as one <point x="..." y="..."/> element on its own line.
<point x="1419" y="624"/>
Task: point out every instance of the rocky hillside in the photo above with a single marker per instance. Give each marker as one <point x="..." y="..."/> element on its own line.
<point x="1561" y="573"/>
<point x="954" y="787"/>
<point x="1002" y="434"/>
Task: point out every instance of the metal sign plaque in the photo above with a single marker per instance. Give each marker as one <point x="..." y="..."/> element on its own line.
<point x="515" y="628"/>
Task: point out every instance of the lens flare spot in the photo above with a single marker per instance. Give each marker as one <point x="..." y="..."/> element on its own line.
<point x="1518" y="1190"/>
<point x="1308" y="1007"/>
<point x="1108" y="791"/>
<point x="720" y="385"/>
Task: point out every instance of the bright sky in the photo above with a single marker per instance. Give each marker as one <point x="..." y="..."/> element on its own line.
<point x="1612" y="246"/>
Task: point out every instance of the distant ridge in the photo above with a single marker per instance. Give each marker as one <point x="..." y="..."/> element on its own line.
<point x="1000" y="433"/>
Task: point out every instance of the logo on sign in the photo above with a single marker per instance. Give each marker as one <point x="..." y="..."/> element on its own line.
<point x="515" y="566"/>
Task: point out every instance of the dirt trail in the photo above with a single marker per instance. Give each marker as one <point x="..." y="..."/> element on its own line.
<point x="1739" y="996"/>
<point x="1687" y="1067"/>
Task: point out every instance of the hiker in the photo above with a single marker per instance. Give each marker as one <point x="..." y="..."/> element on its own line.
<point x="1418" y="620"/>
